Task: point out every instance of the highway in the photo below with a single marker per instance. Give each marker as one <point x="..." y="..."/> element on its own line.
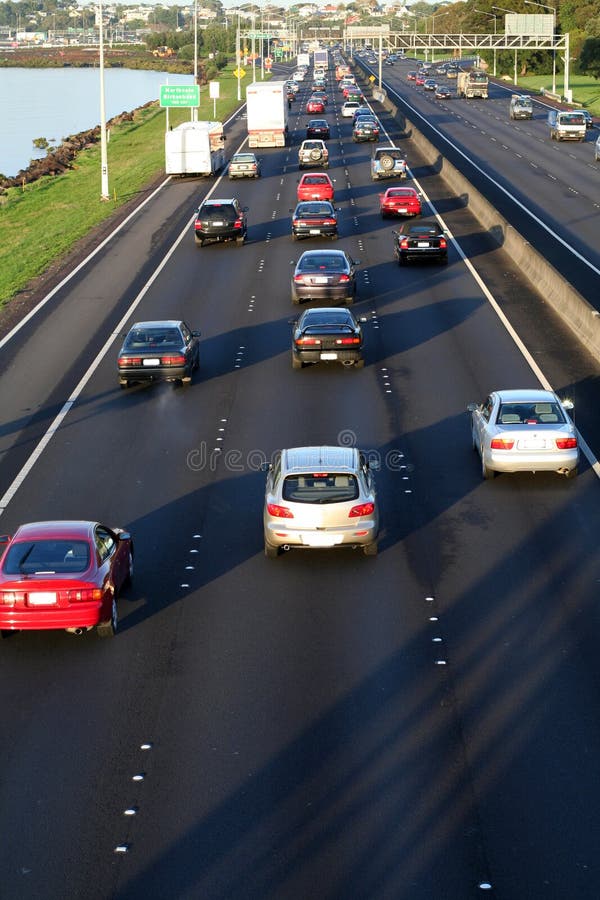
<point x="550" y="190"/>
<point x="325" y="725"/>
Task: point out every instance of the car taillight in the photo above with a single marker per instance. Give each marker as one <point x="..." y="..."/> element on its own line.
<point x="299" y="279"/>
<point x="566" y="443"/>
<point x="328" y="221"/>
<point x="178" y="360"/>
<point x="279" y="512"/>
<point x="502" y="443"/>
<point x="363" y="509"/>
<point x="348" y="340"/>
<point x="130" y="361"/>
<point x="404" y="243"/>
<point x="344" y="278"/>
<point x="307" y="342"/>
<point x="238" y="223"/>
<point x="9" y="598"/>
<point x="198" y="225"/>
<point x="443" y="243"/>
<point x="295" y="223"/>
<point x="82" y="595"/>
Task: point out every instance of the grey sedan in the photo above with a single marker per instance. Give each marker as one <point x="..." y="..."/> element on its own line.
<point x="524" y="431"/>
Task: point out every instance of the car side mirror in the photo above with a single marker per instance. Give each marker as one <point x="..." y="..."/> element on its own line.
<point x="124" y="536"/>
<point x="265" y="467"/>
<point x="473" y="407"/>
<point x="363" y="319"/>
<point x="5" y="539"/>
<point x="567" y="404"/>
<point x="196" y="333"/>
<point x="245" y="208"/>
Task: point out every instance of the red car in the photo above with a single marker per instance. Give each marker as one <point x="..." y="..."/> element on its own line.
<point x="420" y="79"/>
<point x="315" y="106"/>
<point x="63" y="575"/>
<point x="399" y="201"/>
<point x="315" y="186"/>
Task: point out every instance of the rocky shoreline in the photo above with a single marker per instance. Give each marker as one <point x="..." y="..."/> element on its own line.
<point x="60" y="159"/>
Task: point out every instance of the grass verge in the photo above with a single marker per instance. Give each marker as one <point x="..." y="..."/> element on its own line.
<point x="41" y="223"/>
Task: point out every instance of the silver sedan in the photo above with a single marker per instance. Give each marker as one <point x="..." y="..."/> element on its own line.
<point x="320" y="497"/>
<point x="524" y="431"/>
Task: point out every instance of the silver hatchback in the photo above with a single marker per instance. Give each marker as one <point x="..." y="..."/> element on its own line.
<point x="320" y="497"/>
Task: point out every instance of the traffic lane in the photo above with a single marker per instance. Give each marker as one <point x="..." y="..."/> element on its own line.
<point x="47" y="359"/>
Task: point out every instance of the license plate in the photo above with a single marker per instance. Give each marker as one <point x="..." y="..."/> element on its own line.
<point x="317" y="231"/>
<point x="151" y="362"/>
<point x="422" y="243"/>
<point x="320" y="279"/>
<point x="533" y="444"/>
<point x="403" y="209"/>
<point x="320" y="540"/>
<point x="329" y="356"/>
<point x="218" y="223"/>
<point x="243" y="167"/>
<point x="42" y="598"/>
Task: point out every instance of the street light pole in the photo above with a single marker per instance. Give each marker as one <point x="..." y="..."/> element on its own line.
<point x="104" y="194"/>
<point x="512" y="13"/>
<point x="553" y="8"/>
<point x="494" y="17"/>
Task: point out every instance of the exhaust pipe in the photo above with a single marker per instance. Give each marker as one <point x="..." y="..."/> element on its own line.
<point x="348" y="362"/>
<point x="285" y="548"/>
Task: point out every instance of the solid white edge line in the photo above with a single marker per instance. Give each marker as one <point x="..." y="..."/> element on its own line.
<point x="594" y="464"/>
<point x="51" y="431"/>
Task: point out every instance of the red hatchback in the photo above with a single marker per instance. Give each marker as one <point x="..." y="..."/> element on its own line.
<point x="399" y="201"/>
<point x="315" y="186"/>
<point x="315" y="106"/>
<point x="63" y="575"/>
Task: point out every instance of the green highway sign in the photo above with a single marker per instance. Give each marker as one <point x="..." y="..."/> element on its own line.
<point x="179" y="95"/>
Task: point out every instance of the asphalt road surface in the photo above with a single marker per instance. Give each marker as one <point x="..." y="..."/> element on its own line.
<point x="325" y="725"/>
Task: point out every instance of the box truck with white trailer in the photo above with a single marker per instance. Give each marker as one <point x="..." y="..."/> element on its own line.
<point x="195" y="148"/>
<point x="267" y="113"/>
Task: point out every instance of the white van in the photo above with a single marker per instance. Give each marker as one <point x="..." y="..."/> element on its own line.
<point x="597" y="149"/>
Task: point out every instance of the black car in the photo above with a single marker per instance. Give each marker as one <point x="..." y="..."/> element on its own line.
<point x="327" y="334"/>
<point x="325" y="275"/>
<point x="159" y="351"/>
<point x="442" y="93"/>
<point x="221" y="220"/>
<point x="318" y="128"/>
<point x="365" y="129"/>
<point x="314" y="218"/>
<point x="420" y="240"/>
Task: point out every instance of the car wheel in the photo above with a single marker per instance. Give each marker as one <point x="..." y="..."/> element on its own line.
<point x="370" y="549"/>
<point x="335" y="236"/>
<point x="109" y="629"/>
<point x="199" y="242"/>
<point x="187" y="379"/>
<point x="296" y="363"/>
<point x="7" y="633"/>
<point x="350" y="300"/>
<point x="387" y="163"/>
<point x="359" y="363"/>
<point x="270" y="551"/>
<point x="486" y="472"/>
<point x="129" y="576"/>
<point x="443" y="260"/>
<point x="296" y="299"/>
<point x="123" y="383"/>
<point x="572" y="473"/>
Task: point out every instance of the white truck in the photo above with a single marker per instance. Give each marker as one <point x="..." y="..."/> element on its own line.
<point x="566" y="125"/>
<point x="321" y="59"/>
<point x="195" y="148"/>
<point x="304" y="60"/>
<point x="472" y="83"/>
<point x="267" y="113"/>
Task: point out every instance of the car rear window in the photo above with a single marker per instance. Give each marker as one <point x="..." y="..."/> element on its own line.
<point x="315" y="179"/>
<point x="322" y="261"/>
<point x="151" y="337"/>
<point x="47" y="557"/>
<point x="320" y="487"/>
<point x="223" y="213"/>
<point x="530" y="414"/>
<point x="314" y="209"/>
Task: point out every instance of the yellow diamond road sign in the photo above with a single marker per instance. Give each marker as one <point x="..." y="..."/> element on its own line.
<point x="371" y="78"/>
<point x="239" y="73"/>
